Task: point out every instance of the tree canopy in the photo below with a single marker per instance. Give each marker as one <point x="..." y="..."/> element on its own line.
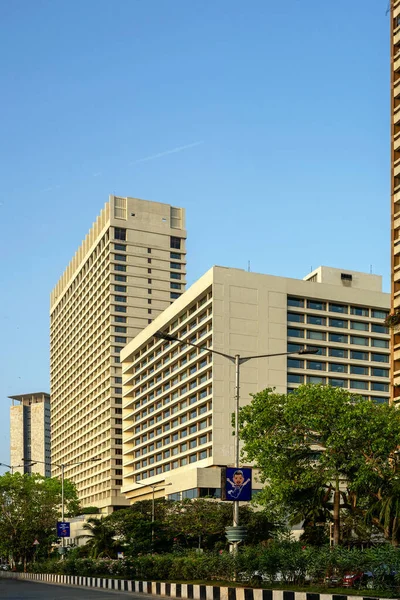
<point x="321" y="448"/>
<point x="29" y="508"/>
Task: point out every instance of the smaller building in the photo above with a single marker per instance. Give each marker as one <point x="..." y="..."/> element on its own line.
<point x="30" y="433"/>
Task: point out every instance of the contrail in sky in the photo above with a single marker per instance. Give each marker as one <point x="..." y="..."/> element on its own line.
<point x="160" y="154"/>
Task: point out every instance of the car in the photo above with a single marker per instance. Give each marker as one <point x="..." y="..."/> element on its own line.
<point x="357" y="579"/>
<point x="333" y="580"/>
<point x="5" y="567"/>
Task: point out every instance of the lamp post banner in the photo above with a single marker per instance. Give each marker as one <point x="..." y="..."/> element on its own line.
<point x="63" y="529"/>
<point x="237" y="484"/>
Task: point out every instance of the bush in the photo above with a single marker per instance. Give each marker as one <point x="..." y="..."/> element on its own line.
<point x="285" y="561"/>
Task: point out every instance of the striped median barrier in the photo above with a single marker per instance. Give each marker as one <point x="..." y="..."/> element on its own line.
<point x="178" y="590"/>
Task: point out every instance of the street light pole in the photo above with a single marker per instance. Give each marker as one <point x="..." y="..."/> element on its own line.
<point x="62" y="467"/>
<point x="11" y="467"/>
<point x="238" y="361"/>
<point x="153" y="486"/>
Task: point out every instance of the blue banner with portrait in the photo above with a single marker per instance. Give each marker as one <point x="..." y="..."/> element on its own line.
<point x="237" y="484"/>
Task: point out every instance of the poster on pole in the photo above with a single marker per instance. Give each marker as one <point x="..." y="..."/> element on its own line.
<point x="236" y="484"/>
<point x="63" y="529"/>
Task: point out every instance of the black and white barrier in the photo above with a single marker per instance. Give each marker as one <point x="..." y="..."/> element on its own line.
<point x="178" y="590"/>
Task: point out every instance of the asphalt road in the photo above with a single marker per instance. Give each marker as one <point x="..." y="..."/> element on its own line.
<point x="11" y="589"/>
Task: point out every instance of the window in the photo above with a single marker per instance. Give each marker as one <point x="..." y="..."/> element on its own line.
<point x="119" y="308"/>
<point x="174" y="295"/>
<point x="380" y="343"/>
<point x="379" y="314"/>
<point x="359" y="325"/>
<point x="315" y="305"/>
<point x="299" y="302"/>
<point x="316" y="380"/>
<point x="294" y="378"/>
<point x="120" y="329"/>
<point x="295" y="317"/>
<point x="202" y="454"/>
<point x="117" y="379"/>
<point x="119" y="319"/>
<point x="338" y="323"/>
<point x="314" y="320"/>
<point x="316" y="335"/>
<point x="376" y="372"/>
<point x="120" y="234"/>
<point x="338" y="352"/>
<point x="193" y="443"/>
<point x="380" y="357"/>
<point x="120" y="267"/>
<point x="358" y="355"/>
<point x="359" y="341"/>
<point x="379" y="400"/>
<point x="120" y="339"/>
<point x="120" y="298"/>
<point x="176" y="255"/>
<point x="338" y="382"/>
<point x="379" y="328"/>
<point x="295" y="332"/>
<point x="358" y="385"/>
<point x="294" y="347"/>
<point x="316" y="366"/>
<point x="120" y="247"/>
<point x="120" y="277"/>
<point x="359" y="311"/>
<point x="337" y="368"/>
<point x="175" y="242"/>
<point x="118" y="390"/>
<point x="339" y="338"/>
<point x="378" y="386"/>
<point x="358" y="370"/>
<point x="121" y="257"/>
<point x="338" y="308"/>
<point x="295" y="363"/>
<point x="175" y="286"/>
<point x="174" y="265"/>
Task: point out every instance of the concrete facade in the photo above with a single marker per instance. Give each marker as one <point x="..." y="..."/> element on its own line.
<point x="178" y="401"/>
<point x="130" y="267"/>
<point x="30" y="433"/>
<point x="395" y="192"/>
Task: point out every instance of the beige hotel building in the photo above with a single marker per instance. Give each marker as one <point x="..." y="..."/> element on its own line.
<point x="395" y="191"/>
<point x="178" y="400"/>
<point x="128" y="270"/>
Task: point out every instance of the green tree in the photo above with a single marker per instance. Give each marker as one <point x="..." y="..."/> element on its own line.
<point x="101" y="538"/>
<point x="321" y="449"/>
<point x="29" y="509"/>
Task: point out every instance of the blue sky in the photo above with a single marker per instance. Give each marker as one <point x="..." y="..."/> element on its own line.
<point x="284" y="107"/>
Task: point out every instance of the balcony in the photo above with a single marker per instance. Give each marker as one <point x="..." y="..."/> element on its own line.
<point x="396" y="62"/>
<point x="396" y="115"/>
<point x="396" y="167"/>
<point x="396" y="36"/>
<point x="396" y="222"/>
<point x="396" y="89"/>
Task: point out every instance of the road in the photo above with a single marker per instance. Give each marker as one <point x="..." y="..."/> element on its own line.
<point x="12" y="589"/>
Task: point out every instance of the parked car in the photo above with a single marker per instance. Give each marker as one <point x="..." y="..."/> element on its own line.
<point x="333" y="580"/>
<point x="358" y="579"/>
<point x="5" y="567"/>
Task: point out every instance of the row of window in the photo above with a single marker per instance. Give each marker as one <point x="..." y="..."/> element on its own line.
<point x="182" y="433"/>
<point x="377" y="386"/>
<point x="120" y="235"/>
<point x="174" y="451"/>
<point x="294" y="363"/>
<point x="341" y="323"/>
<point x="343" y="353"/>
<point x="337" y="337"/>
<point x="165" y="401"/>
<point x="175" y="464"/>
<point x="192" y="414"/>
<point x="174" y="380"/>
<point x="360" y="311"/>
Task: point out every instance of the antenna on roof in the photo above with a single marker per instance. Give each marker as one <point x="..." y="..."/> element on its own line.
<point x="248" y="266"/>
<point x="370" y="269"/>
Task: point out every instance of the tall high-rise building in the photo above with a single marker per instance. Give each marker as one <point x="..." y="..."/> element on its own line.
<point x="30" y="433"/>
<point x="395" y="193"/>
<point x="178" y="399"/>
<point x="129" y="269"/>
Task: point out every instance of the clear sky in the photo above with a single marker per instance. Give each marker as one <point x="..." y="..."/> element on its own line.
<point x="280" y="110"/>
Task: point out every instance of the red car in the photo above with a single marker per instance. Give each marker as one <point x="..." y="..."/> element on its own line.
<point x="352" y="579"/>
